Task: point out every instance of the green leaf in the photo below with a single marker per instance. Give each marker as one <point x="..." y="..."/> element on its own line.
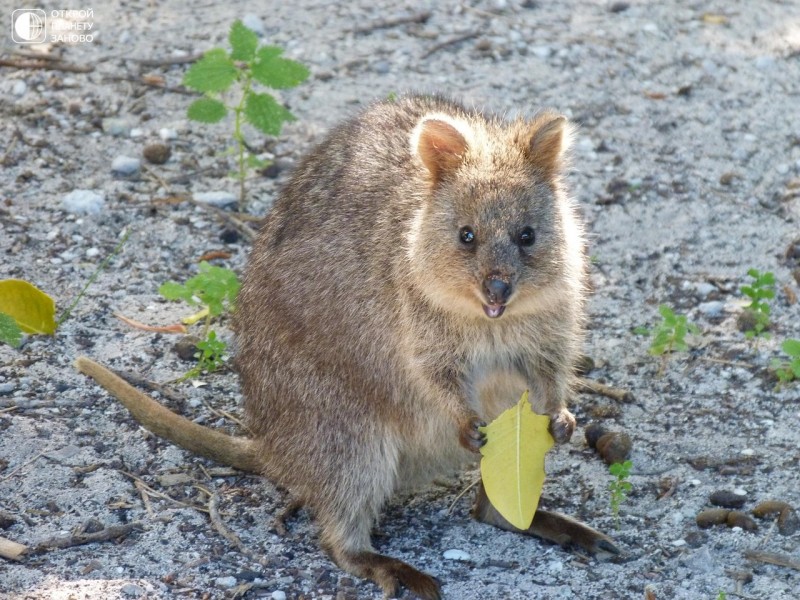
<point x="257" y="163"/>
<point x="791" y="347"/>
<point x="243" y="41"/>
<point x="278" y="73"/>
<point x="641" y="330"/>
<point x="10" y="333"/>
<point x="666" y="313"/>
<point x="264" y="113"/>
<point x="175" y="291"/>
<point x="32" y="309"/>
<point x="512" y="467"/>
<point x="207" y="110"/>
<point x="215" y="72"/>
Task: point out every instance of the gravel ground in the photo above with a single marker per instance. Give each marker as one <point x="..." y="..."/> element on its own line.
<point x="686" y="166"/>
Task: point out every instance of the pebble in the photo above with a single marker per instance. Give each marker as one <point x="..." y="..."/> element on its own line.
<point x="227" y="582"/>
<point x="704" y="289"/>
<point x="92" y="252"/>
<point x="747" y="452"/>
<point x="137" y="132"/>
<point x="19" y="88"/>
<point x="133" y="590"/>
<point x="254" y="22"/>
<point x="219" y="199"/>
<point x="541" y="51"/>
<point x="727" y="499"/>
<point x="125" y="165"/>
<point x="116" y="126"/>
<point x="83" y="202"/>
<point x="167" y="134"/>
<point x="157" y="154"/>
<point x="711" y="309"/>
<point x="455" y="554"/>
<point x="7" y="388"/>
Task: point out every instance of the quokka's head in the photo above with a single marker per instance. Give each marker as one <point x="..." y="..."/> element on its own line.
<point x="496" y="234"/>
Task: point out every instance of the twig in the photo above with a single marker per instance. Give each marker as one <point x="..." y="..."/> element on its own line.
<point x="145" y="497"/>
<point x="450" y="42"/>
<point x="25" y="464"/>
<point x="46" y="64"/>
<point x="221" y="528"/>
<point x="387" y="23"/>
<point x="166" y="62"/>
<point x="591" y="386"/>
<point x="461" y="495"/>
<point x="37" y="55"/>
<point x="773" y="558"/>
<point x="226" y="415"/>
<point x="67" y="541"/>
<point x="139" y="381"/>
<point x="158" y="494"/>
<point x="243" y="228"/>
<point x="153" y="84"/>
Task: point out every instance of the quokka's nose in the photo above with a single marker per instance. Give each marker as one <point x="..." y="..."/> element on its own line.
<point x="497" y="291"/>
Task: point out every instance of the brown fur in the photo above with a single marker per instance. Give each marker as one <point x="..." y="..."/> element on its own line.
<point x="373" y="341"/>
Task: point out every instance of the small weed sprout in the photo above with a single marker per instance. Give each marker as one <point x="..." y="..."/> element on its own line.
<point x="788" y="371"/>
<point x="619" y="486"/>
<point x="247" y="63"/>
<point x="761" y="289"/>
<point x="670" y="335"/>
<point x="215" y="289"/>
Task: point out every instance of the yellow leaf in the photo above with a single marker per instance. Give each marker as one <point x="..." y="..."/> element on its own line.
<point x="715" y="19"/>
<point x="32" y="309"/>
<point x="192" y="319"/>
<point x="512" y="467"/>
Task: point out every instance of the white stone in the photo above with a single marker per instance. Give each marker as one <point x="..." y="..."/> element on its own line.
<point x="19" y="88"/>
<point x="83" y="202"/>
<point x="167" y="134"/>
<point x="748" y="452"/>
<point x="278" y="595"/>
<point x="227" y="582"/>
<point x="220" y="199"/>
<point x="126" y="165"/>
<point x="455" y="554"/>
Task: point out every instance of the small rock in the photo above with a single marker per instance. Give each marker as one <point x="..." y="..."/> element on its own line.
<point x="219" y="199"/>
<point x="747" y="452"/>
<point x="167" y="134"/>
<point x="381" y="67"/>
<point x="19" y="88"/>
<point x="229" y="236"/>
<point x="254" y="22"/>
<point x="132" y="590"/>
<point x="788" y="522"/>
<point x="157" y="154"/>
<point x="618" y="7"/>
<point x="727" y="499"/>
<point x="541" y="51"/>
<point x="92" y="252"/>
<point x="455" y="554"/>
<point x="137" y="132"/>
<point x="712" y="309"/>
<point x="93" y="525"/>
<point x="7" y="388"/>
<point x="226" y="582"/>
<point x="278" y="595"/>
<point x="83" y="202"/>
<point x="116" y="126"/>
<point x="705" y="289"/>
<point x="125" y="165"/>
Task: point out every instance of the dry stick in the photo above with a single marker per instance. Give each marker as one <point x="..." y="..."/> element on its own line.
<point x="773" y="558"/>
<point x="25" y="464"/>
<point x="166" y="62"/>
<point x="67" y="541"/>
<point x="450" y="42"/>
<point x="387" y="23"/>
<point x="145" y="497"/>
<point x="166" y="88"/>
<point x="222" y="529"/>
<point x="595" y="387"/>
<point x="52" y="65"/>
<point x="140" y="381"/>
<point x="158" y="494"/>
<point x="243" y="228"/>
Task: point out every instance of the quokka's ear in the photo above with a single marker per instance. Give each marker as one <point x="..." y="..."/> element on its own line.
<point x="548" y="141"/>
<point x="440" y="146"/>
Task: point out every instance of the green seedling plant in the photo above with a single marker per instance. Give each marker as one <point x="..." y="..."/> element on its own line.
<point x="670" y="335"/>
<point x="761" y="289"/>
<point x="214" y="290"/>
<point x="619" y="487"/>
<point x="246" y="64"/>
<point x="788" y="370"/>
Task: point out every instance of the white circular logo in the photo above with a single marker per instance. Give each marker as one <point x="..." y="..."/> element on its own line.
<point x="28" y="26"/>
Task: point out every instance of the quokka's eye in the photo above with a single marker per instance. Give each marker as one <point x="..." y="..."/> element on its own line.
<point x="466" y="235"/>
<point x="526" y="237"/>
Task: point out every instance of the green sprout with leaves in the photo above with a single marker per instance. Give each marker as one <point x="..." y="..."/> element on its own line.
<point x="214" y="289"/>
<point x="761" y="289"/>
<point x="247" y="63"/>
<point x="670" y="335"/>
<point x="619" y="486"/>
<point x="788" y="371"/>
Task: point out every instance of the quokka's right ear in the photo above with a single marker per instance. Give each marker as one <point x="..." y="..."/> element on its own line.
<point x="440" y="146"/>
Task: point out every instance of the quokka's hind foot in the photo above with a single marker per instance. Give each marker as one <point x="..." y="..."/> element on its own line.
<point x="551" y="526"/>
<point x="389" y="573"/>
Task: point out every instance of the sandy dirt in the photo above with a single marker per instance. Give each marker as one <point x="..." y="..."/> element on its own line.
<point x="687" y="170"/>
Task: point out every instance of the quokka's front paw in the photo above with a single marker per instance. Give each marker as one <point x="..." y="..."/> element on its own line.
<point x="562" y="424"/>
<point x="470" y="436"/>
